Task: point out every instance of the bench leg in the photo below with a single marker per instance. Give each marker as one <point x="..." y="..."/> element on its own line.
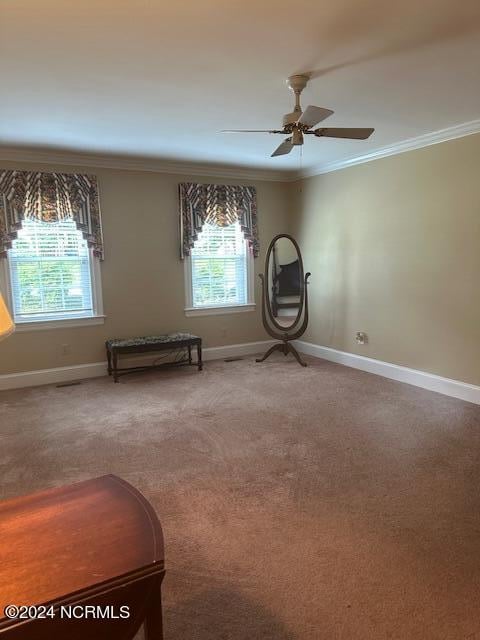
<point x="189" y="354"/>
<point x="109" y="362"/>
<point x="115" y="366"/>
<point x="199" y="356"/>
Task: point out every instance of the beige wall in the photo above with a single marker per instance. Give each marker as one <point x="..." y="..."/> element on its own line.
<point x="394" y="250"/>
<point x="142" y="275"/>
<point x="393" y="247"/>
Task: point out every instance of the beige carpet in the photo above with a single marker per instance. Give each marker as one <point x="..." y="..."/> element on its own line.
<point x="320" y="503"/>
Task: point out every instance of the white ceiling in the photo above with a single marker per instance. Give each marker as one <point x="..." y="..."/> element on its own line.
<point x="154" y="79"/>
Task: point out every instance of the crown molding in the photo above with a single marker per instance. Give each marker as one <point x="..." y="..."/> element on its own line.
<point x="126" y="163"/>
<point x="425" y="140"/>
<point x="132" y="163"/>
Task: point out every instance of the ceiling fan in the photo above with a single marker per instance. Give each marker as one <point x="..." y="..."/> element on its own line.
<point x="300" y="123"/>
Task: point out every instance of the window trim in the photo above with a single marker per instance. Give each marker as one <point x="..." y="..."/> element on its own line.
<point x="219" y="311"/>
<point x="223" y="309"/>
<point x="96" y="318"/>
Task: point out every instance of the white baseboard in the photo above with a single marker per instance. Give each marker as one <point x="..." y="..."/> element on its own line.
<point x="447" y="386"/>
<point x="236" y="350"/>
<point x="98" y="369"/>
<point x="430" y="381"/>
<point x="52" y="376"/>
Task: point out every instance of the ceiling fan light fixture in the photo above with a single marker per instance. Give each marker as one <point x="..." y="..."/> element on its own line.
<point x="297" y="137"/>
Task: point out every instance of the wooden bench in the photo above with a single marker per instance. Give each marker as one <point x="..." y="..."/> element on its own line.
<point x="147" y="344"/>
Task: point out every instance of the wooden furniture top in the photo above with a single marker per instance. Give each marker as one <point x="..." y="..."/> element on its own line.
<point x="75" y="539"/>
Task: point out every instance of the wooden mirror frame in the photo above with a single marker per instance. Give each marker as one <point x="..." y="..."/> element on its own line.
<point x="270" y="251"/>
<point x="272" y="327"/>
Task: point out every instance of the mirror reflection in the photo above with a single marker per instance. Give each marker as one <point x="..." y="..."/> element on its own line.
<point x="285" y="282"/>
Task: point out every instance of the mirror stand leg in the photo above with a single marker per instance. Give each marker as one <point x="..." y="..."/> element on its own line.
<point x="296" y="355"/>
<point x="275" y="347"/>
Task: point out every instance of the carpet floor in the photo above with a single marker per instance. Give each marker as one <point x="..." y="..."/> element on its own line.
<point x="321" y="503"/>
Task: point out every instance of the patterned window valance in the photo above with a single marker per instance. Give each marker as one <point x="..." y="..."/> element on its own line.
<point x="216" y="204"/>
<point x="49" y="197"/>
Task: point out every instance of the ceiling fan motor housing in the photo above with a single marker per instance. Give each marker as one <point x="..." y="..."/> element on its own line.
<point x="289" y="119"/>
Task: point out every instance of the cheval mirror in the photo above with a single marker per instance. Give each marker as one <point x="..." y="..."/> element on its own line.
<point x="284" y="295"/>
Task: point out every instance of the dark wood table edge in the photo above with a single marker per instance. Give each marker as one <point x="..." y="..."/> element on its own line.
<point x="100" y="589"/>
<point x="156" y="569"/>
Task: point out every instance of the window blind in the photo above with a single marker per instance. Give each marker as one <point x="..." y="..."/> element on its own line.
<point x="219" y="267"/>
<point x="50" y="272"/>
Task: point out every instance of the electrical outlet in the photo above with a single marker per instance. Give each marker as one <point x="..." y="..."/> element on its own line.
<point x="65" y="349"/>
<point x="223" y="333"/>
<point x="361" y="337"/>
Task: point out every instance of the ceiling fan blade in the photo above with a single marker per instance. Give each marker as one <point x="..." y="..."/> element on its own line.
<point x="352" y="134"/>
<point x="250" y="131"/>
<point x="313" y="115"/>
<point x="283" y="149"/>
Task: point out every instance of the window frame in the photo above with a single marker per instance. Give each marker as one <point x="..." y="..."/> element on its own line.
<point x="96" y="318"/>
<point x="223" y="309"/>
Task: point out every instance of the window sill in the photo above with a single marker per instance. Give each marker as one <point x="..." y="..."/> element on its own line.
<point x="44" y="325"/>
<point x="218" y="311"/>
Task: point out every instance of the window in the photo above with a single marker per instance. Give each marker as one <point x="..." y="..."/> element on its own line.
<point x="52" y="274"/>
<point x="219" y="271"/>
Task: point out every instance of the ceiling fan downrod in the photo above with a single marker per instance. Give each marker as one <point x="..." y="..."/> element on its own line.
<point x="297" y="84"/>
